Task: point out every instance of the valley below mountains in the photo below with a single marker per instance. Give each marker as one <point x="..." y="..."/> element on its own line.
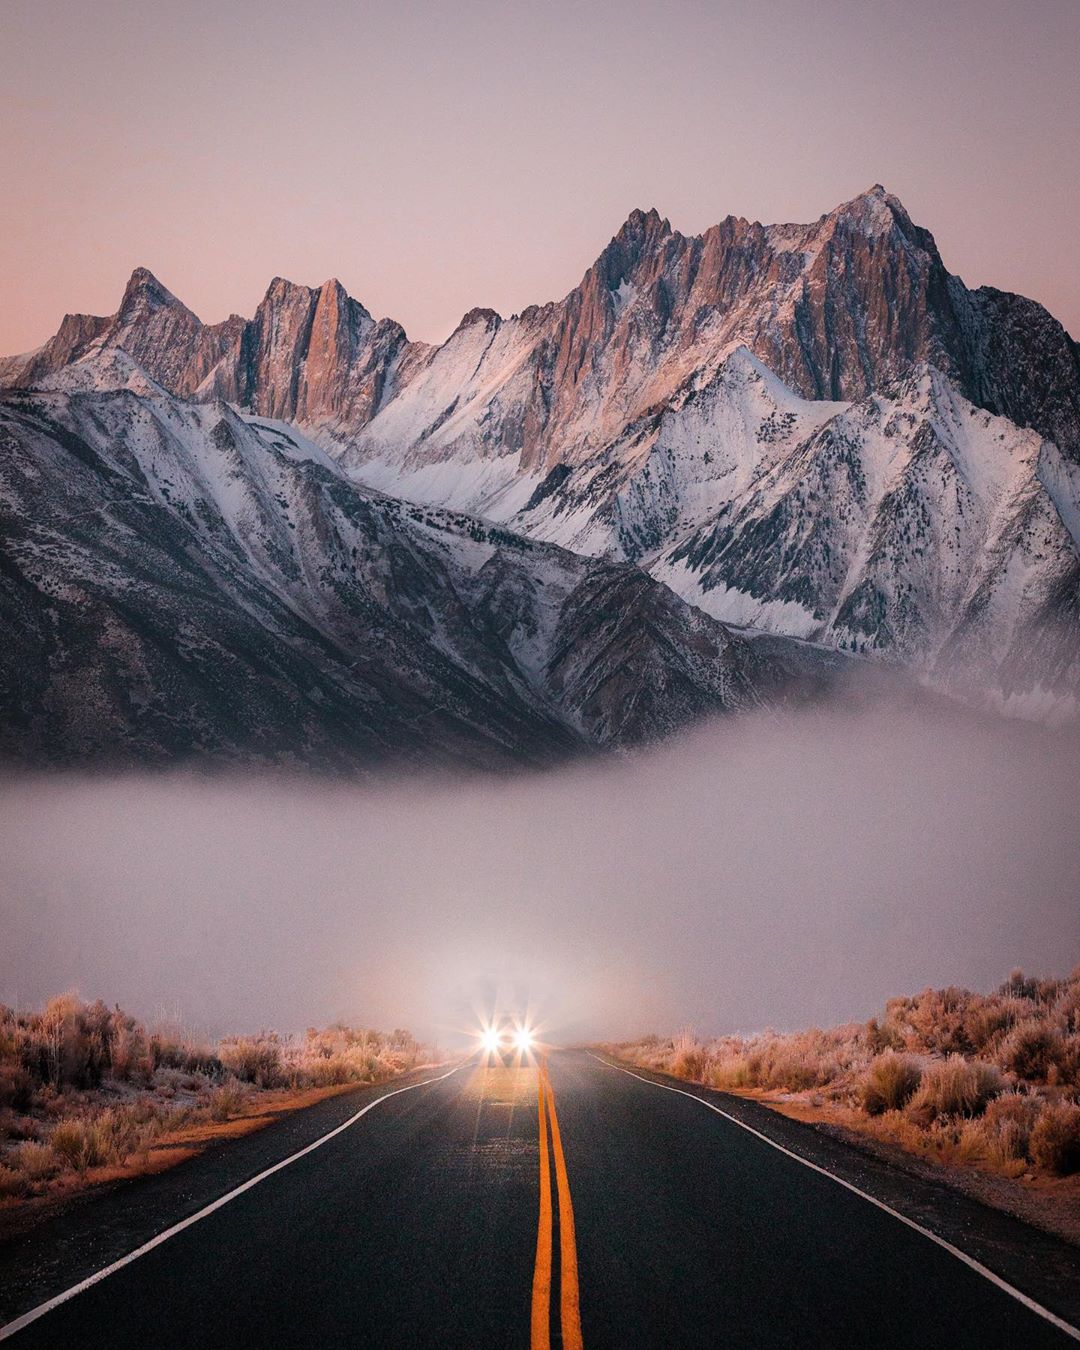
<point x="724" y="472"/>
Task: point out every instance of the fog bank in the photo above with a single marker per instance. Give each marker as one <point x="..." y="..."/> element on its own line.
<point x="765" y="870"/>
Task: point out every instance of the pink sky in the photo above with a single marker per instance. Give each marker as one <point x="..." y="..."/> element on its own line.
<point x="437" y="156"/>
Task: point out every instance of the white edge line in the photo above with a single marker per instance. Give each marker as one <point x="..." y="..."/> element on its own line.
<point x="24" y="1321"/>
<point x="970" y="1261"/>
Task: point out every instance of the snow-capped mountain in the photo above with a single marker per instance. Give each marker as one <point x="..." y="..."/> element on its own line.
<point x="813" y="431"/>
<point x="836" y="308"/>
<point x="909" y="523"/>
<point x="181" y="581"/>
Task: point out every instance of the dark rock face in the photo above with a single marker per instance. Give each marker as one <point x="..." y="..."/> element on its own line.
<point x="178" y="584"/>
<point x="1020" y="363"/>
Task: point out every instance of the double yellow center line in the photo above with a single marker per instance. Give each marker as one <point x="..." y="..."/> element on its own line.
<point x="569" y="1311"/>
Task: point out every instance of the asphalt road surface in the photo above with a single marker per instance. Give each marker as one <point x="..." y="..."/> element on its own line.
<point x="509" y="1205"/>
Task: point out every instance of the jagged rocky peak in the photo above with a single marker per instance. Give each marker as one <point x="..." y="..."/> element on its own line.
<point x="837" y="308"/>
<point x="877" y="209"/>
<point x="480" y="316"/>
<point x="638" y="239"/>
<point x="145" y="291"/>
<point x="642" y="229"/>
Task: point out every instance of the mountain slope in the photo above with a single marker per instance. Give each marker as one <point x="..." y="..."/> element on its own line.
<point x="178" y="582"/>
<point x="909" y="524"/>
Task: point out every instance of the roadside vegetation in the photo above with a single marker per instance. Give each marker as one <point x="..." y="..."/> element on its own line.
<point x="87" y="1091"/>
<point x="988" y="1080"/>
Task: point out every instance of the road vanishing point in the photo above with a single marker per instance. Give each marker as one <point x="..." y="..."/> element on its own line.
<point x="563" y="1201"/>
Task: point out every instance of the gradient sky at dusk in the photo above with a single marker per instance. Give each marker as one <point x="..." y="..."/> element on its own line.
<point x="437" y="155"/>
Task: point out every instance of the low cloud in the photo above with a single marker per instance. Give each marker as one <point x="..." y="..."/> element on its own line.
<point x="779" y="870"/>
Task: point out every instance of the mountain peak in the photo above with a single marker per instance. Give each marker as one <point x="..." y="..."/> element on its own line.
<point x="144" y="289"/>
<point x="643" y="225"/>
<point x="280" y="287"/>
<point x="640" y="234"/>
<point x="876" y="211"/>
<point x="489" y="318"/>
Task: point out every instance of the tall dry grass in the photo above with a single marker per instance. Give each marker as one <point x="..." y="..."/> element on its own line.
<point x="992" y="1079"/>
<point x="85" y="1086"/>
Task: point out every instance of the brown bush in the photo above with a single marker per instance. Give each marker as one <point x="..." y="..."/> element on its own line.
<point x="76" y="1143"/>
<point x="890" y="1083"/>
<point x="1067" y="1005"/>
<point x="186" y="1055"/>
<point x="83" y="1142"/>
<point x="1006" y="1126"/>
<point x="1019" y="986"/>
<point x="227" y="1101"/>
<point x="954" y="1087"/>
<point x="689" y="1062"/>
<point x="13" y="1183"/>
<point x="1055" y="1138"/>
<point x="1031" y="1050"/>
<point x="254" y="1059"/>
<point x="986" y="1019"/>
<point x="38" y="1162"/>
<point x="16" y="1087"/>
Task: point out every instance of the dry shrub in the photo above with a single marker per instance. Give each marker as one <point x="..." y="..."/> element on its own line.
<point x="890" y="1083"/>
<point x="1067" y="1005"/>
<point x="37" y="1162"/>
<point x="227" y="1101"/>
<point x="334" y="1070"/>
<point x="987" y="1019"/>
<point x="1018" y="985"/>
<point x="76" y="1144"/>
<point x="934" y="1021"/>
<point x="111" y="1136"/>
<point x="688" y="1058"/>
<point x="16" y="1087"/>
<point x="730" y="1068"/>
<point x="184" y="1054"/>
<point x="254" y="1059"/>
<point x="130" y="1056"/>
<point x="1007" y="1124"/>
<point x="954" y="1087"/>
<point x="1055" y="1138"/>
<point x="343" y="1054"/>
<point x="1032" y="1050"/>
<point x="13" y="1184"/>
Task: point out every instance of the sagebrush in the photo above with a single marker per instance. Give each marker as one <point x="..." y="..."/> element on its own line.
<point x="986" y="1078"/>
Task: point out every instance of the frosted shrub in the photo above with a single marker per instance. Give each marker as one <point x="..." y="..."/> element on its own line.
<point x="1031" y="1050"/>
<point x="689" y="1059"/>
<point x="227" y="1101"/>
<point x="1055" y="1138"/>
<point x="254" y="1059"/>
<point x="955" y="1087"/>
<point x="37" y="1162"/>
<point x="890" y="1083"/>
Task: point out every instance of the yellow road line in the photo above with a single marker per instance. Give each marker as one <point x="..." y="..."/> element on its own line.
<point x="570" y="1311"/>
<point x="541" y="1292"/>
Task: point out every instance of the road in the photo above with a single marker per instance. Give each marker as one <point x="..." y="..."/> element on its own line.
<point x="436" y="1219"/>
